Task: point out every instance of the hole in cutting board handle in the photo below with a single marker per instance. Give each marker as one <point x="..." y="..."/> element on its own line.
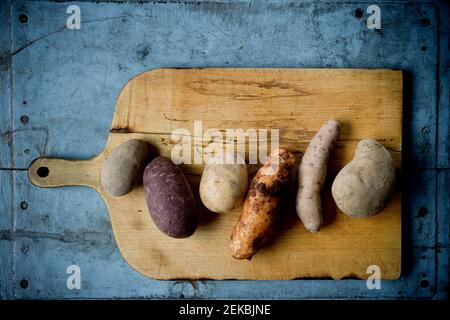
<point x="42" y="172"/>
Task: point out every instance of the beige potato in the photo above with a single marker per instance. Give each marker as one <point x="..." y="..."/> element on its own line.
<point x="365" y="185"/>
<point x="123" y="169"/>
<point x="223" y="186"/>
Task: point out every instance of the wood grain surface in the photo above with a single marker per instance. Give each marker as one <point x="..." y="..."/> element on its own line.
<point x="368" y="103"/>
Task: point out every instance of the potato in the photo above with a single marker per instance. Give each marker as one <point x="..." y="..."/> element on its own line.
<point x="311" y="175"/>
<point x="122" y="171"/>
<point x="223" y="186"/>
<point x="170" y="199"/>
<point x="365" y="185"/>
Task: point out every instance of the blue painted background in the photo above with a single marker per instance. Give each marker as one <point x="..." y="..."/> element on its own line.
<point x="57" y="93"/>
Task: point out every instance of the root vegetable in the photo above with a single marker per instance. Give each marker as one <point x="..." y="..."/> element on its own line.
<point x="311" y="175"/>
<point x="122" y="171"/>
<point x="365" y="185"/>
<point x="261" y="206"/>
<point x="170" y="199"/>
<point x="223" y="186"/>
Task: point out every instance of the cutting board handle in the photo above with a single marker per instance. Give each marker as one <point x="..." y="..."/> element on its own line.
<point x="54" y="172"/>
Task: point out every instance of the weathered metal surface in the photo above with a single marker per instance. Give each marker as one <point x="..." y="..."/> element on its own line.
<point x="443" y="114"/>
<point x="64" y="84"/>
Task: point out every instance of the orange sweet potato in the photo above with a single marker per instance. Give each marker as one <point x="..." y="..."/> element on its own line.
<point x="261" y="206"/>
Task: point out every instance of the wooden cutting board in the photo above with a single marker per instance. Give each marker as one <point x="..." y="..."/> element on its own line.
<point x="368" y="103"/>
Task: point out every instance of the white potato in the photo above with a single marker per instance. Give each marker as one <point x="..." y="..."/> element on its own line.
<point x="223" y="186"/>
<point x="365" y="185"/>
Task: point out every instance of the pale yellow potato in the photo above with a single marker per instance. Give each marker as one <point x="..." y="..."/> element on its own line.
<point x="223" y="186"/>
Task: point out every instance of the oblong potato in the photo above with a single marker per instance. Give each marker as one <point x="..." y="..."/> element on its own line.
<point x="261" y="207"/>
<point x="311" y="175"/>
<point x="170" y="199"/>
<point x="122" y="171"/>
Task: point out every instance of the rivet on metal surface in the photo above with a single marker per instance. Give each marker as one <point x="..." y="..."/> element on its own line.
<point x="425" y="22"/>
<point x="424" y="283"/>
<point x="24" y="205"/>
<point x="23" y="283"/>
<point x="359" y="13"/>
<point x="24" y="119"/>
<point x="422" y="212"/>
<point x="23" y="18"/>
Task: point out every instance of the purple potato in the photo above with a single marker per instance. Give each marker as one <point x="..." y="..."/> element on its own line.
<point x="170" y="200"/>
